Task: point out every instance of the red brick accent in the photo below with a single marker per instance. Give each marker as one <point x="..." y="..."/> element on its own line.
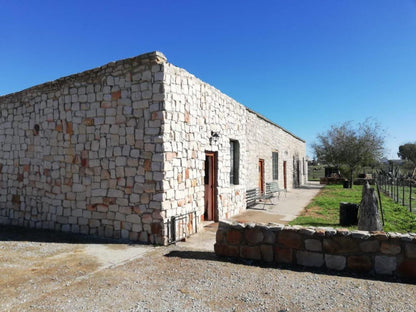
<point x="340" y="245"/>
<point x="69" y="129"/>
<point x="359" y="263"/>
<point x="390" y="249"/>
<point x="147" y="165"/>
<point x="407" y="268"/>
<point x="250" y="252"/>
<point x="227" y="251"/>
<point x="290" y="239"/>
<point x="234" y="237"/>
<point x="253" y="236"/>
<point x="283" y="255"/>
<point x="88" y="121"/>
<point x="115" y="95"/>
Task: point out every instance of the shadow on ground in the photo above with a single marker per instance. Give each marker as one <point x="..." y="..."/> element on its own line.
<point x="211" y="256"/>
<point x="16" y="233"/>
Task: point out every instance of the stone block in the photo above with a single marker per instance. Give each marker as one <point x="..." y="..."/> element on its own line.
<point x="219" y="236"/>
<point x="340" y="245"/>
<point x="234" y="237"/>
<point x="226" y="250"/>
<point x="267" y="253"/>
<point x="253" y="236"/>
<point x="283" y="255"/>
<point x="250" y="252"/>
<point x="334" y="262"/>
<point x="360" y="264"/>
<point x="290" y="239"/>
<point x="133" y="218"/>
<point x="385" y="265"/>
<point x="411" y="250"/>
<point x="370" y="246"/>
<point x="309" y="259"/>
<point x="269" y="237"/>
<point x="390" y="248"/>
<point x="407" y="269"/>
<point x="313" y="245"/>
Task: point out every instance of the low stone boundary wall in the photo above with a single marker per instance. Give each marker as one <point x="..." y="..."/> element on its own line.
<point x="377" y="253"/>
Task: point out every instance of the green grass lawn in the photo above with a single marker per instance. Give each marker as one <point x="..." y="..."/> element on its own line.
<point x="324" y="210"/>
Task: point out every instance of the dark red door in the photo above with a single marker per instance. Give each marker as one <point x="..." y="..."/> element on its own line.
<point x="284" y="175"/>
<point x="209" y="213"/>
<point x="261" y="176"/>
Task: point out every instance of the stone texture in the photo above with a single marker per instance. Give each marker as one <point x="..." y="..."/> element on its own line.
<point x="359" y="263"/>
<point x="250" y="252"/>
<point x="340" y="245"/>
<point x="253" y="236"/>
<point x="385" y="265"/>
<point x="370" y="246"/>
<point x="283" y="255"/>
<point x="411" y="250"/>
<point x="389" y="248"/>
<point x="290" y="239"/>
<point x="313" y="245"/>
<point x="310" y="259"/>
<point x="234" y="237"/>
<point x="334" y="262"/>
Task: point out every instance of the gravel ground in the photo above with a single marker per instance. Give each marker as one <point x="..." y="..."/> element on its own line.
<point x="40" y="275"/>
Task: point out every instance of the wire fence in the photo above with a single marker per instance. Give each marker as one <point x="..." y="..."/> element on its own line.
<point x="401" y="189"/>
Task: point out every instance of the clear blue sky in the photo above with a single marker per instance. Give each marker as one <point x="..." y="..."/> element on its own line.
<point x="303" y="64"/>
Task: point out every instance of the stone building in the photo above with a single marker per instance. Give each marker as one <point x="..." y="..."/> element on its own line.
<point x="136" y="149"/>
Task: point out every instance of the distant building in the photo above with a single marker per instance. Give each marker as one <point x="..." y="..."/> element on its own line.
<point x="136" y="149"/>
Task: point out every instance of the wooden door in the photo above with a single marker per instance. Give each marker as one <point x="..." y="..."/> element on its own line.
<point x="284" y="175"/>
<point x="261" y="176"/>
<point x="210" y="181"/>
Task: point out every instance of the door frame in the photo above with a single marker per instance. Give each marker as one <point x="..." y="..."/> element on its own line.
<point x="261" y="176"/>
<point x="210" y="198"/>
<point x="285" y="174"/>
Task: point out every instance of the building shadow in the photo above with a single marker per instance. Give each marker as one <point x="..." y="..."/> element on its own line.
<point x="22" y="234"/>
<point x="211" y="256"/>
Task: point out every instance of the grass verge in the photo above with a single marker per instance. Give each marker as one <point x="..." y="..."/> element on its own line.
<point x="324" y="210"/>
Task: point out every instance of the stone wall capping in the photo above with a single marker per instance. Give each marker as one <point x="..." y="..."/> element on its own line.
<point x="329" y="231"/>
<point x="407" y="238"/>
<point x="307" y="231"/>
<point x="343" y="232"/>
<point x="360" y="234"/>
<point x="275" y="227"/>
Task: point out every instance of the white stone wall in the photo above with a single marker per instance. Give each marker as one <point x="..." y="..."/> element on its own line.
<point x="84" y="153"/>
<point x="263" y="138"/>
<point x="194" y="109"/>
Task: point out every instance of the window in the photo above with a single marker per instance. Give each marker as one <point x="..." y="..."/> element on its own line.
<point x="234" y="162"/>
<point x="275" y="163"/>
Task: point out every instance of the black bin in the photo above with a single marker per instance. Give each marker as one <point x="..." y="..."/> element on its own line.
<point x="348" y="214"/>
<point x="346" y="184"/>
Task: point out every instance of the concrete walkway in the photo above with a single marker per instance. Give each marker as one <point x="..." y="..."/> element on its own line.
<point x="282" y="210"/>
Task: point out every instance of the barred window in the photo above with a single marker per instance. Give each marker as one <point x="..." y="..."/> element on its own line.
<point x="275" y="167"/>
<point x="234" y="162"/>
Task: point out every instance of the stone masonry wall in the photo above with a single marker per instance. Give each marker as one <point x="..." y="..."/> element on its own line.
<point x="84" y="153"/>
<point x="377" y="253"/>
<point x="194" y="110"/>
<point x="263" y="138"/>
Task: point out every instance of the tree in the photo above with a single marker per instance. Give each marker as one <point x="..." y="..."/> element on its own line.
<point x="408" y="152"/>
<point x="351" y="147"/>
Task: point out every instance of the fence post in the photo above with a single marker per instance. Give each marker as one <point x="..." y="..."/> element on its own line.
<point x="410" y="196"/>
<point x="403" y="185"/>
